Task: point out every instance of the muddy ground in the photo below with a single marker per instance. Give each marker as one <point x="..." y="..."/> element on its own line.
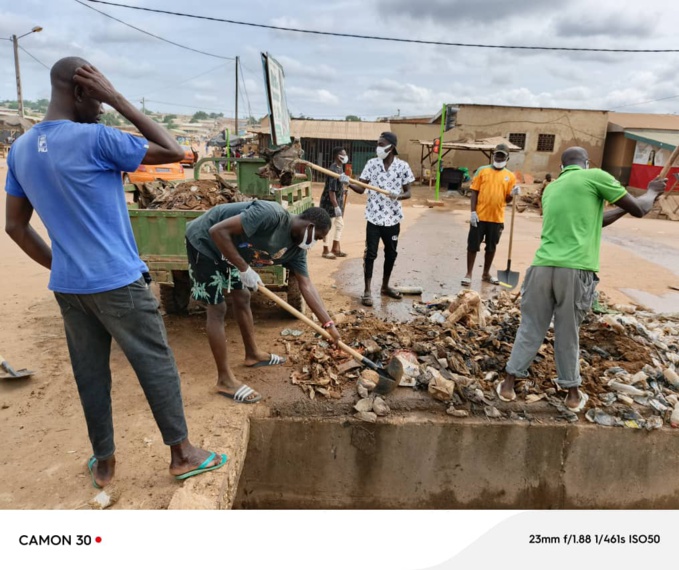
<point x="44" y="444"/>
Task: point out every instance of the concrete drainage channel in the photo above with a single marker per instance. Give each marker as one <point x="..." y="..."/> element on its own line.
<point x="422" y="461"/>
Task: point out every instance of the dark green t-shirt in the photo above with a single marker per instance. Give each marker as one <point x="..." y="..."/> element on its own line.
<point x="266" y="239"/>
<point x="573" y="209"/>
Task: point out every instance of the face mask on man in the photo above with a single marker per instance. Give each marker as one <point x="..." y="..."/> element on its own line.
<point x="499" y="162"/>
<point x="344" y="158"/>
<point x="304" y="245"/>
<point x="382" y="151"/>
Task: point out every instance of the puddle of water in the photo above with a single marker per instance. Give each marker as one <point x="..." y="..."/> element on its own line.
<point x="668" y="303"/>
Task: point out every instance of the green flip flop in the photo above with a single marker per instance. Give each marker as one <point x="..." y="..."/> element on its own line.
<point x="90" y="466"/>
<point x="202" y="468"/>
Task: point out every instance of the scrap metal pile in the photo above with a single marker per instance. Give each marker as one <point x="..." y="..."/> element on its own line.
<point x="456" y="349"/>
<point x="188" y="195"/>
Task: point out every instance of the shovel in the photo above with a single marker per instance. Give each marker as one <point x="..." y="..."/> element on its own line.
<point x="389" y="377"/>
<point x="281" y="162"/>
<point x="509" y="278"/>
<point x="11" y="373"/>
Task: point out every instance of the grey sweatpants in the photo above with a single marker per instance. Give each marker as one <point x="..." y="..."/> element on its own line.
<point x="566" y="295"/>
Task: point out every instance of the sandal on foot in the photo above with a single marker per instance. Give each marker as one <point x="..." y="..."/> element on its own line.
<point x="393" y="293"/>
<point x="490" y="279"/>
<point x="367" y="301"/>
<point x="584" y="398"/>
<point x="340" y="254"/>
<point x="90" y="467"/>
<point x="274" y="360"/>
<point x="329" y="255"/>
<point x="242" y="394"/>
<point x="466" y="281"/>
<point x="202" y="468"/>
<point x="499" y="395"/>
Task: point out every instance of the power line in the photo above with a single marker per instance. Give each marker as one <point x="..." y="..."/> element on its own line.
<point x="245" y="88"/>
<point x="187" y="106"/>
<point x="382" y="38"/>
<point x="154" y="35"/>
<point x="176" y="84"/>
<point x="644" y="102"/>
<point x="35" y="58"/>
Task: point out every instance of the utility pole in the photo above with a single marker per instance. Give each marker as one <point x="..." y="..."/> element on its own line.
<point x="15" y="43"/>
<point x="20" y="98"/>
<point x="143" y="105"/>
<point x="236" y="125"/>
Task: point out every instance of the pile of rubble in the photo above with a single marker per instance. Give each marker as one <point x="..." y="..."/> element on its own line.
<point x="188" y="195"/>
<point x="456" y="349"/>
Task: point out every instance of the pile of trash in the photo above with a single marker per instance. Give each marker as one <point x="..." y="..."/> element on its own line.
<point x="188" y="195"/>
<point x="456" y="348"/>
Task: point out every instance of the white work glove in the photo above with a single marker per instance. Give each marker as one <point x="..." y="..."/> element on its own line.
<point x="474" y="220"/>
<point x="516" y="191"/>
<point x="250" y="278"/>
<point x="394" y="194"/>
<point x="344" y="179"/>
<point x="338" y="212"/>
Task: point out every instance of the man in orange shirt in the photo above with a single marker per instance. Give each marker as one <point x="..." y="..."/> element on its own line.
<point x="492" y="188"/>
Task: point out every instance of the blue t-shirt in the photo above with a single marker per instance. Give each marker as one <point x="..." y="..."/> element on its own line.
<point x="71" y="174"/>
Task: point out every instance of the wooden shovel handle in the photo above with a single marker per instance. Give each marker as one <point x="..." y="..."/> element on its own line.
<point x="335" y="175"/>
<point x="511" y="232"/>
<point x="670" y="161"/>
<point x="306" y="320"/>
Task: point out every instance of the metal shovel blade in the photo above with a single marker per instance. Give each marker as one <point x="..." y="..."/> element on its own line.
<point x="14" y="374"/>
<point x="390" y="377"/>
<point x="508" y="279"/>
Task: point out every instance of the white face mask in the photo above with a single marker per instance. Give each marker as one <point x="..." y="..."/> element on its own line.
<point x="344" y="158"/>
<point x="304" y="245"/>
<point x="499" y="164"/>
<point x="382" y="151"/>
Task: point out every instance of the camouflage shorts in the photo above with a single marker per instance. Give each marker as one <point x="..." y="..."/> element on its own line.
<point x="209" y="278"/>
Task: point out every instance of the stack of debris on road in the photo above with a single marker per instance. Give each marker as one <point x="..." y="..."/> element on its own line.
<point x="529" y="199"/>
<point x="188" y="195"/>
<point x="456" y="349"/>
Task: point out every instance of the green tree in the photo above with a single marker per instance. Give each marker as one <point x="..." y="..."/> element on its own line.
<point x="353" y="118"/>
<point x="200" y="116"/>
<point x="215" y="115"/>
<point x="169" y="118"/>
<point x="111" y="120"/>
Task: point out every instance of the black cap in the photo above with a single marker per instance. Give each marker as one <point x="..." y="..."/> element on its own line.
<point x="502" y="147"/>
<point x="391" y="138"/>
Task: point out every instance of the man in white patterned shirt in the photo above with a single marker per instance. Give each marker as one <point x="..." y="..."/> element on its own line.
<point x="383" y="213"/>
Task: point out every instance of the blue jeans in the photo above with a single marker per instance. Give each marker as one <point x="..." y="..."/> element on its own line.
<point x="130" y="316"/>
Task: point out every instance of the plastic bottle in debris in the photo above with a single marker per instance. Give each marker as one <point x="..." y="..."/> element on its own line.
<point x="672" y="377"/>
<point x="611" y="322"/>
<point x="674" y="418"/>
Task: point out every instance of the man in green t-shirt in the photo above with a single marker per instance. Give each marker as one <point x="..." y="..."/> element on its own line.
<point x="561" y="282"/>
<point x="223" y="246"/>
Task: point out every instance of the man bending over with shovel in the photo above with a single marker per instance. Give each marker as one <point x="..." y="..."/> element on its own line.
<point x="561" y="282"/>
<point x="223" y="245"/>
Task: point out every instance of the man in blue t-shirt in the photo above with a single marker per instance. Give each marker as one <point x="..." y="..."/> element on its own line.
<point x="68" y="169"/>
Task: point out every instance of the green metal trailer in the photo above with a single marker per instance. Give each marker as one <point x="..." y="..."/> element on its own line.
<point x="160" y="237"/>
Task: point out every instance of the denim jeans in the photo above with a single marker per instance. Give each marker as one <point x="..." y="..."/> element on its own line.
<point x="130" y="316"/>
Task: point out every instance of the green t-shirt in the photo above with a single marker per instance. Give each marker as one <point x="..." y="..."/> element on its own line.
<point x="266" y="239"/>
<point x="573" y="209"/>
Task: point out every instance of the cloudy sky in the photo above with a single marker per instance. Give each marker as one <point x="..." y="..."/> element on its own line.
<point x="330" y="77"/>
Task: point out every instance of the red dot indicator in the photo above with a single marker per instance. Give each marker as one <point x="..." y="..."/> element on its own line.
<point x="98" y="539"/>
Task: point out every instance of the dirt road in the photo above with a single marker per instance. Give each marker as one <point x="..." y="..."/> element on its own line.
<point x="44" y="445"/>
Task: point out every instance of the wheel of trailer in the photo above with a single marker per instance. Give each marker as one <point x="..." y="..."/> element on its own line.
<point x="295" y="294"/>
<point x="175" y="298"/>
